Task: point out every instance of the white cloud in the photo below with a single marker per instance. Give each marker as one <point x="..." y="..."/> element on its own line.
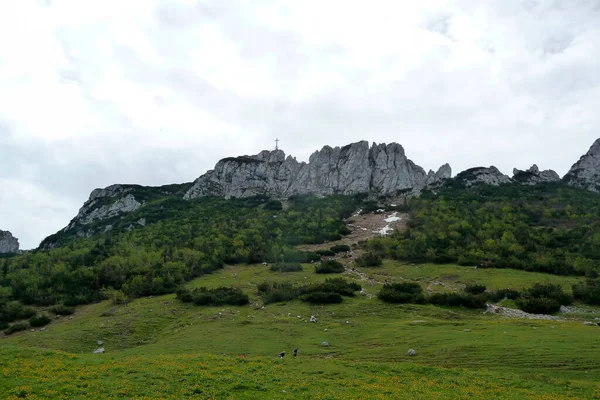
<point x="156" y="91"/>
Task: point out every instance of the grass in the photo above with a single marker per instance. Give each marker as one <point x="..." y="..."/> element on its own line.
<point x="27" y="374"/>
<point x="455" y="277"/>
<point x="160" y="347"/>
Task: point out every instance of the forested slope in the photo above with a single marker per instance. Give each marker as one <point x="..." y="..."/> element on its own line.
<point x="549" y="227"/>
<point x="181" y="240"/>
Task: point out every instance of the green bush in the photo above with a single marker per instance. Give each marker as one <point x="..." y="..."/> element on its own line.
<point x="339" y="248"/>
<point x="286" y="267"/>
<point x="457" y="300"/>
<point x="406" y="292"/>
<point x="588" y="292"/>
<point x="39" y="320"/>
<point x="274" y="292"/>
<point x="219" y="296"/>
<point x="502" y="294"/>
<point x="322" y="298"/>
<point x="184" y="295"/>
<point x="13" y="310"/>
<point x="274" y="205"/>
<point x="550" y="291"/>
<point x="538" y="305"/>
<point x="369" y="259"/>
<point x="21" y="326"/>
<point x="329" y="267"/>
<point x="61" y="309"/>
<point x="475" y="289"/>
<point x="335" y="285"/>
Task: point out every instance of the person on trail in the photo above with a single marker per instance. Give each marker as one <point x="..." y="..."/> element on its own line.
<point x="282" y="354"/>
<point x="295" y="352"/>
<point x="244" y="355"/>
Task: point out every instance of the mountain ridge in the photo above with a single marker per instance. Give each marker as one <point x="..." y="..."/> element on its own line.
<point x="377" y="169"/>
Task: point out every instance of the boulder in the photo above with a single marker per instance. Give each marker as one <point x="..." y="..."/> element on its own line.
<point x="412" y="352"/>
<point x="325" y="344"/>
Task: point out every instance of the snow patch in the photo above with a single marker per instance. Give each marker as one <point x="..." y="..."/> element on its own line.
<point x="392" y="218"/>
<point x="384" y="231"/>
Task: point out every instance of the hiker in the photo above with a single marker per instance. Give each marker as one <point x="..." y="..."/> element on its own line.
<point x="295" y="352"/>
<point x="282" y="354"/>
<point x="244" y="355"/>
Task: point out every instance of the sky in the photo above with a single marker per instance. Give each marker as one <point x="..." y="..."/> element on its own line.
<point x="154" y="92"/>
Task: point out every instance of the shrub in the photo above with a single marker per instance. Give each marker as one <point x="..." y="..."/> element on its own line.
<point x="475" y="289"/>
<point x="273" y="205"/>
<point x="335" y="285"/>
<point x="277" y="292"/>
<point x="322" y="298"/>
<point x="325" y="253"/>
<point x="219" y="296"/>
<point x="457" y="299"/>
<point x="329" y="267"/>
<point x="61" y="309"/>
<point x="406" y="292"/>
<point x="549" y="291"/>
<point x="14" y="310"/>
<point x="538" y="305"/>
<point x="369" y="259"/>
<point x="502" y="294"/>
<point x="39" y="320"/>
<point x="588" y="292"/>
<point x="21" y="326"/>
<point x="338" y="248"/>
<point x="286" y="267"/>
<point x="184" y="295"/>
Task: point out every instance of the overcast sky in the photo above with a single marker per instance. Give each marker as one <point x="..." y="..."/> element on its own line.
<point x="154" y="91"/>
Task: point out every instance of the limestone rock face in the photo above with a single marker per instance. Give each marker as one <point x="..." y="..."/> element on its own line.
<point x="8" y="243"/>
<point x="585" y="173"/>
<point x="351" y="169"/>
<point x="534" y="176"/>
<point x="481" y="175"/>
<point x="92" y="211"/>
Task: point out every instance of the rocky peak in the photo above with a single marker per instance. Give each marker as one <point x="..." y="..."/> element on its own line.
<point x="534" y="176"/>
<point x="585" y="173"/>
<point x="478" y="175"/>
<point x="8" y="243"/>
<point x="105" y="203"/>
<point x="351" y="169"/>
<point x="435" y="179"/>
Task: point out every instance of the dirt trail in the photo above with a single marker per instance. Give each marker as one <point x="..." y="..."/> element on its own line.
<point x="364" y="227"/>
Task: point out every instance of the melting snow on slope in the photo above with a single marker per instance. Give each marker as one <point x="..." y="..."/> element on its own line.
<point x="384" y="231"/>
<point x="392" y="218"/>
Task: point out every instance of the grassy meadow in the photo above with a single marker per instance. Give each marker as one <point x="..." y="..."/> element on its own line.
<point x="160" y="347"/>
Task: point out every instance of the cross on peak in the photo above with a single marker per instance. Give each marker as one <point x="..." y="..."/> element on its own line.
<point x="276" y="144"/>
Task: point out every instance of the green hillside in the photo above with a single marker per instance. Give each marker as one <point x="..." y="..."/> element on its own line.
<point x="119" y="287"/>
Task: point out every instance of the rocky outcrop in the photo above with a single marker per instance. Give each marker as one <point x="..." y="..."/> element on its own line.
<point x="481" y="175"/>
<point x="585" y="173"/>
<point x="439" y="177"/>
<point x="533" y="176"/>
<point x="8" y="243"/>
<point x="355" y="168"/>
<point x="104" y="204"/>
